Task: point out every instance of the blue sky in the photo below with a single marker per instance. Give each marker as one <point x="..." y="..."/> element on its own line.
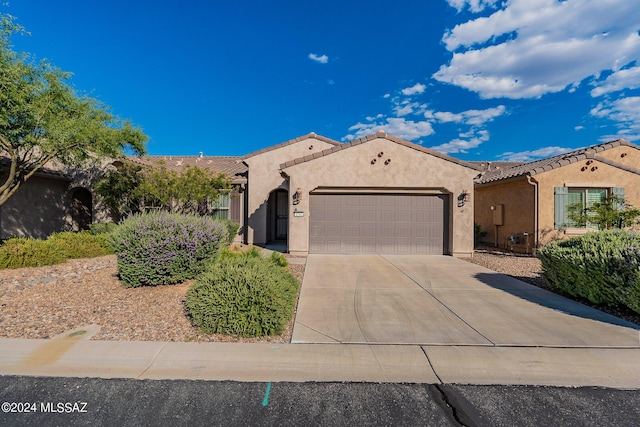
<point x="477" y="79"/>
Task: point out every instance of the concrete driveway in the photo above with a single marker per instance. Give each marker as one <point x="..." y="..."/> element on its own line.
<point x="441" y="300"/>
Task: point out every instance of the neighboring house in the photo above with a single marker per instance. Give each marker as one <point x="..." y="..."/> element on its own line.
<point x="228" y="206"/>
<point x="377" y="194"/>
<point x="54" y="199"/>
<point x="523" y="205"/>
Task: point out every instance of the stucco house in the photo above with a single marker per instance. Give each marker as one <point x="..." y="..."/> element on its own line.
<point x="523" y="205"/>
<point x="54" y="199"/>
<point x="377" y="194"/>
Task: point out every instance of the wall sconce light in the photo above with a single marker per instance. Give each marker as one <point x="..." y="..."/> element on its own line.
<point x="386" y="162"/>
<point x="297" y="196"/>
<point x="463" y="198"/>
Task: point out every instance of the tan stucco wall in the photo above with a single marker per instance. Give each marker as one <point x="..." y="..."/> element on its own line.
<point x="408" y="168"/>
<point x="264" y="177"/>
<point x="518" y="200"/>
<point x="602" y="176"/>
<point x="37" y="209"/>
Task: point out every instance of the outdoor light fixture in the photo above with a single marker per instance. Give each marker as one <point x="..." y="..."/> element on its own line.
<point x="463" y="198"/>
<point x="297" y="196"/>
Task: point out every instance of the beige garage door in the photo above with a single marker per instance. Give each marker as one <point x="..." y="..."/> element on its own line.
<point x="380" y="223"/>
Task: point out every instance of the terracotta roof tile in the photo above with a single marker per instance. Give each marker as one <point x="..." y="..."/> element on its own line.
<point x="545" y="165"/>
<point x="228" y="165"/>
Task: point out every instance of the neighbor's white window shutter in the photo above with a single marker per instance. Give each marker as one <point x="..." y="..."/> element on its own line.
<point x="561" y="200"/>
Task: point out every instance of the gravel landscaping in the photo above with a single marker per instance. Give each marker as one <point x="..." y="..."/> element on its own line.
<point x="46" y="301"/>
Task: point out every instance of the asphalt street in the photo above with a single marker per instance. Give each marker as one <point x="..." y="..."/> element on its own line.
<point x="128" y="402"/>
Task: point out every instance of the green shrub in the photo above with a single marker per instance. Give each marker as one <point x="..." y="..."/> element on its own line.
<point x="79" y="245"/>
<point x="595" y="266"/>
<point x="243" y="295"/>
<point x="278" y="259"/>
<point x="19" y="252"/>
<point x="160" y="248"/>
<point x="102" y="228"/>
<point x="232" y="228"/>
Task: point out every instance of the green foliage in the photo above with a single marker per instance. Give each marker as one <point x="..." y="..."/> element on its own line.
<point x="58" y="248"/>
<point x="79" y="245"/>
<point x="601" y="267"/>
<point x="278" y="259"/>
<point x="117" y="190"/>
<point x="243" y="295"/>
<point x="42" y="118"/>
<point x="19" y="252"/>
<point x="102" y="228"/>
<point x="186" y="191"/>
<point x="161" y="248"/>
<point x="232" y="229"/>
<point x="612" y="212"/>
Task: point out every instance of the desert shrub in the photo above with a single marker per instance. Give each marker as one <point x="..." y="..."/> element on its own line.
<point x="18" y="252"/>
<point x="79" y="245"/>
<point x="626" y="277"/>
<point x="232" y="228"/>
<point x="102" y="228"/>
<point x="593" y="266"/>
<point x="161" y="248"/>
<point x="278" y="259"/>
<point x="243" y="295"/>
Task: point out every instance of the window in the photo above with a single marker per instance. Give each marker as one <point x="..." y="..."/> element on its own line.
<point x="587" y="197"/>
<point x="219" y="209"/>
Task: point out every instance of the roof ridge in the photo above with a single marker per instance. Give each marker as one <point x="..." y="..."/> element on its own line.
<point x="310" y="135"/>
<point x="378" y="134"/>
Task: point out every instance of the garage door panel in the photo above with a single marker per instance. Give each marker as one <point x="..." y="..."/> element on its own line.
<point x="359" y="223"/>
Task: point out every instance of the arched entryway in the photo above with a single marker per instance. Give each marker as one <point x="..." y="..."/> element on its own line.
<point x="278" y="216"/>
<point x="81" y="208"/>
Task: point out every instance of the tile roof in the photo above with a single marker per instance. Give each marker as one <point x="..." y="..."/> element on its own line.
<point x="312" y="135"/>
<point x="229" y="165"/>
<point x="544" y="165"/>
<point x="379" y="134"/>
<point x="43" y="172"/>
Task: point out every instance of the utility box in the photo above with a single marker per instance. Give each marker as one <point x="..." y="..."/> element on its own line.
<point x="498" y="214"/>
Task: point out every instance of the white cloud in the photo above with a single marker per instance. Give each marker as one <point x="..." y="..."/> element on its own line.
<point x="400" y="127"/>
<point x="460" y="145"/>
<point x="413" y="90"/>
<point x="474" y="5"/>
<point x="624" y="111"/>
<point x="321" y="59"/>
<point x="531" y="155"/>
<point x="532" y="47"/>
<point x="469" y="117"/>
<point x="406" y="107"/>
<point x="628" y="78"/>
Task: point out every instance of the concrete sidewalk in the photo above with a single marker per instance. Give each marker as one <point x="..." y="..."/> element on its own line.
<point x="604" y="367"/>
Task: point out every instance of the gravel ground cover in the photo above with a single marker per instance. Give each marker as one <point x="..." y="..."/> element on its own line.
<point x="527" y="268"/>
<point x="45" y="301"/>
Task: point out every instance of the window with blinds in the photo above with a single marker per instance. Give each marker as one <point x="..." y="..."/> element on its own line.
<point x="219" y="209"/>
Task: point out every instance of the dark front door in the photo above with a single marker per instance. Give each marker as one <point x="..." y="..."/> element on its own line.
<point x="282" y="214"/>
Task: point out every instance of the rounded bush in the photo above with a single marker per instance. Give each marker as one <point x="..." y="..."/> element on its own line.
<point x="161" y="248"/>
<point x="80" y="245"/>
<point x="243" y="295"/>
<point x="601" y="267"/>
